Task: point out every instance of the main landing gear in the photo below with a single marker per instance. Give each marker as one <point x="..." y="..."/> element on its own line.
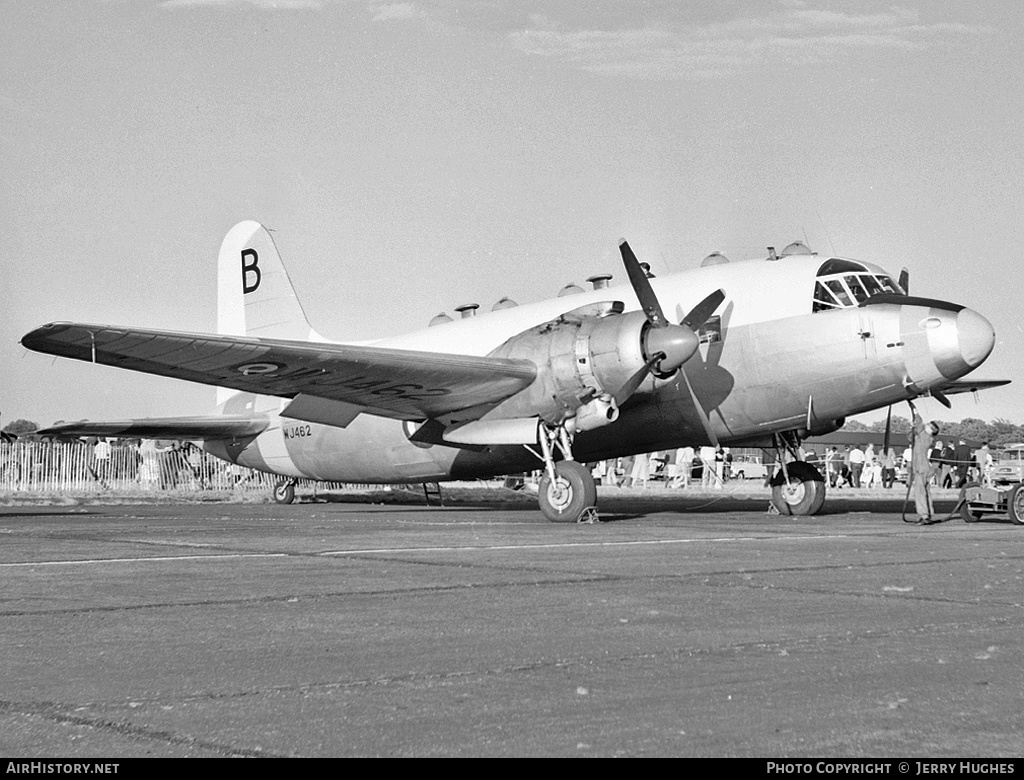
<point x="798" y="488"/>
<point x="284" y="491"/>
<point x="567" y="490"/>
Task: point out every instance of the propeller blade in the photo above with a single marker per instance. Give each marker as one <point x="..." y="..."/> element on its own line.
<point x="700" y="313"/>
<point x="704" y="419"/>
<point x="904" y="280"/>
<point x="642" y="287"/>
<point x="888" y="430"/>
<point x="636" y="380"/>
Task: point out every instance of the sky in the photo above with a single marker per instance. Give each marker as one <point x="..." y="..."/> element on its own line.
<point x="414" y="156"/>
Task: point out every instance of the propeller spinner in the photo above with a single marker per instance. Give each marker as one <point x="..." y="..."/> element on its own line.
<point x="666" y="345"/>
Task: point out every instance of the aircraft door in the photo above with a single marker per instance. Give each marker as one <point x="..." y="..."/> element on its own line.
<point x="866" y="333"/>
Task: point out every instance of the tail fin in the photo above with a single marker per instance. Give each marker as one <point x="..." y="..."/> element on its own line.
<point x="255" y="297"/>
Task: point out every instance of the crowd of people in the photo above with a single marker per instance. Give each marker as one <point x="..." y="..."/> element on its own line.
<point x="707" y="466"/>
<point x="951" y="465"/>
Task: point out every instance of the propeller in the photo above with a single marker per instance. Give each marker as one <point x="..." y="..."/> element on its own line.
<point x="666" y="345"/>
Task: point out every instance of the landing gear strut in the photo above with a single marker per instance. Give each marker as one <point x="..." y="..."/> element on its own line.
<point x="284" y="491"/>
<point x="567" y="490"/>
<point x="798" y="488"/>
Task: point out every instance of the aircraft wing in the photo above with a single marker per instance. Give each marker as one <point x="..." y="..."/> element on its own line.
<point x="181" y="428"/>
<point x="330" y="383"/>
<point x="969" y="386"/>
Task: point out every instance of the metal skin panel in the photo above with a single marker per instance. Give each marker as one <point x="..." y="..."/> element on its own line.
<point x="577" y="359"/>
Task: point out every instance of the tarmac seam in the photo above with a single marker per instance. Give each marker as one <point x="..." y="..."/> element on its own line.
<point x="51" y="711"/>
<point x="291" y="598"/>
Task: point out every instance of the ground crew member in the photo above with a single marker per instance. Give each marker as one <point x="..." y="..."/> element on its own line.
<point x="921" y="468"/>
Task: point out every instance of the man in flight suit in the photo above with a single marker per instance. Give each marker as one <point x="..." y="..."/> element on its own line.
<point x="921" y="468"/>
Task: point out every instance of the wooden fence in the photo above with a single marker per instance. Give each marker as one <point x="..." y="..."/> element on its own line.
<point x="61" y="467"/>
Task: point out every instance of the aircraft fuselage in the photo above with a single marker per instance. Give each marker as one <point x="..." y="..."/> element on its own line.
<point x="771" y="365"/>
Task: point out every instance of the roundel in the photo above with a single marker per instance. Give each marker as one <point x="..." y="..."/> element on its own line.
<point x="256" y="369"/>
<point x="410" y="427"/>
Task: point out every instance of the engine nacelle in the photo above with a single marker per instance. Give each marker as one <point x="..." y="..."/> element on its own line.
<point x="595" y="413"/>
<point x="822" y="427"/>
<point x="583" y="358"/>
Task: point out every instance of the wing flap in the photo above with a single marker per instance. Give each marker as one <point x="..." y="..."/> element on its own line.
<point x="404" y="384"/>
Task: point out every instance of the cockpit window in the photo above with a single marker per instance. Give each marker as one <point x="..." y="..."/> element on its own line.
<point x="837" y="265"/>
<point x="870" y="284"/>
<point x="856" y="288"/>
<point x="889" y="286"/>
<point x="843" y="284"/>
<point x="824" y="299"/>
<point x="841" y="293"/>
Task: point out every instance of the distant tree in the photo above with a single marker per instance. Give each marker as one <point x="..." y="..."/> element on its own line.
<point x="899" y="425"/>
<point x="855" y="425"/>
<point x="1006" y="432"/>
<point x="21" y="427"/>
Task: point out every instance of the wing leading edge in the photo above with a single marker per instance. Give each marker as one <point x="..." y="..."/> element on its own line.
<point x="402" y="384"/>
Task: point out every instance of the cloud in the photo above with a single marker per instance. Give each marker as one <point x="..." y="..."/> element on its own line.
<point x="672" y="48"/>
<point x="390" y="12"/>
<point x="273" y="5"/>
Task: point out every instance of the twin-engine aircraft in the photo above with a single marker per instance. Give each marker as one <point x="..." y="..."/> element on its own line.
<point x="758" y="353"/>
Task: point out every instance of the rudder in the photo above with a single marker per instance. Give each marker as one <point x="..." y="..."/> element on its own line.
<point x="255" y="297"/>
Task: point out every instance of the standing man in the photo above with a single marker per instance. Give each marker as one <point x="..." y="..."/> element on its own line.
<point x="102" y="454"/>
<point x="707" y="459"/>
<point x="888" y="462"/>
<point x="921" y="468"/>
<point x="684" y="467"/>
<point x="961" y="463"/>
<point x="856" y="466"/>
<point x="983" y="458"/>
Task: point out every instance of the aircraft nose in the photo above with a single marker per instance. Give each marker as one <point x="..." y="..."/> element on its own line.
<point x="976" y="336"/>
<point x="946" y="343"/>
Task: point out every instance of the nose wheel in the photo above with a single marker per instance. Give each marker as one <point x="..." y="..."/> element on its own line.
<point x="800" y="495"/>
<point x="798" y="488"/>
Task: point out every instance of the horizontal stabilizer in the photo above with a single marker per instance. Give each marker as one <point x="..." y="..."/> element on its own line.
<point x="208" y="427"/>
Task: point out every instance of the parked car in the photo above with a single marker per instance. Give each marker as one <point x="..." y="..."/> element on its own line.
<point x="1009" y="465"/>
<point x="748" y="467"/>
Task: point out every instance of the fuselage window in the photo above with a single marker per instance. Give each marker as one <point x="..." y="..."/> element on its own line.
<point x="711" y="331"/>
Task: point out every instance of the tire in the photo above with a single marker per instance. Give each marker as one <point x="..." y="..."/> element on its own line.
<point x="1015" y="505"/>
<point x="965" y="511"/>
<point x="573" y="490"/>
<point x="804" y="495"/>
<point x="284" y="491"/>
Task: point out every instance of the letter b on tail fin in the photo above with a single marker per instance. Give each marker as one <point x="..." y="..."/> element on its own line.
<point x="255" y="297"/>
